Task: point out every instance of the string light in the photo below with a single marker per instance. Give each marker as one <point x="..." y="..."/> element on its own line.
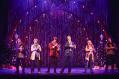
<point x="74" y="2"/>
<point x="20" y="20"/>
<point x="43" y="14"/>
<point x="78" y="21"/>
<point x="98" y="21"/>
<point x="83" y="6"/>
<point x="36" y="20"/>
<point x="91" y="13"/>
<point x="45" y="1"/>
<point x="69" y="16"/>
<point x="35" y="6"/>
<point x="27" y="12"/>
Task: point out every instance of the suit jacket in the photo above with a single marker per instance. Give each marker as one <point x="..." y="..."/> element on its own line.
<point x="69" y="49"/>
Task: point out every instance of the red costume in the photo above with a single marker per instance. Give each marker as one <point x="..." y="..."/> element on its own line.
<point x="54" y="49"/>
<point x="53" y="54"/>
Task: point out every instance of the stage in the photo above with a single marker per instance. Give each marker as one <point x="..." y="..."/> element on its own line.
<point x="81" y="23"/>
<point x="75" y="73"/>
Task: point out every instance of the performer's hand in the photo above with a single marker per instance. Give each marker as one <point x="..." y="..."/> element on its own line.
<point x="75" y="46"/>
<point x="53" y="46"/>
<point x="112" y="47"/>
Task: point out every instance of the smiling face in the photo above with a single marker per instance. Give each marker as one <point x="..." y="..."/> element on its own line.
<point x="19" y="42"/>
<point x="109" y="40"/>
<point x="69" y="38"/>
<point x="89" y="42"/>
<point x="35" y="41"/>
<point x="54" y="40"/>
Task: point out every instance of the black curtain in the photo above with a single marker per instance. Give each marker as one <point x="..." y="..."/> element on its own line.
<point x="3" y="28"/>
<point x="114" y="23"/>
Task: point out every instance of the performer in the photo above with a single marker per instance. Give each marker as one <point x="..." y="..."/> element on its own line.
<point x="89" y="58"/>
<point x="110" y="54"/>
<point x="53" y="54"/>
<point x="20" y="58"/>
<point x="69" y="46"/>
<point x="35" y="53"/>
<point x="100" y="53"/>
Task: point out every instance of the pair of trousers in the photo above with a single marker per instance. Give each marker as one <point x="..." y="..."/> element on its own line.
<point x="33" y="63"/>
<point x="89" y="63"/>
<point x="67" y="63"/>
<point x="20" y="62"/>
<point x="52" y="61"/>
<point x="110" y="60"/>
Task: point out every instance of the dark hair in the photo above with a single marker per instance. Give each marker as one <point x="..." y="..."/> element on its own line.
<point x="108" y="44"/>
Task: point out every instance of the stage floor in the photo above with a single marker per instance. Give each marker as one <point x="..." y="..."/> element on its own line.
<point x="76" y="73"/>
